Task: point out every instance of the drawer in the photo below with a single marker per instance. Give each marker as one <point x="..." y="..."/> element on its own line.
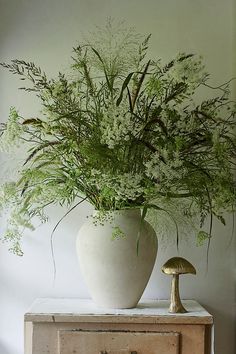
<point x="118" y="342"/>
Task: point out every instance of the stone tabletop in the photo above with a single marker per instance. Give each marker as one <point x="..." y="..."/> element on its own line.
<point x="84" y="310"/>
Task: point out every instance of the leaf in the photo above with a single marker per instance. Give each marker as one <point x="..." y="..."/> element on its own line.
<point x="130" y="99"/>
<point x="168" y="66"/>
<point x="221" y="218"/>
<point x="105" y="72"/>
<point x="202" y="236"/>
<point x="39" y="148"/>
<point x="144" y="213"/>
<point x="36" y="121"/>
<point x="144" y="47"/>
<point x="137" y="90"/>
<point x="125" y="84"/>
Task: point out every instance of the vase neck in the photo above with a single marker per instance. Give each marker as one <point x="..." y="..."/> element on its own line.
<point x="122" y="212"/>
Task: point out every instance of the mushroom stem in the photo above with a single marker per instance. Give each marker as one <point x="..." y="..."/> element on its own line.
<point x="175" y="302"/>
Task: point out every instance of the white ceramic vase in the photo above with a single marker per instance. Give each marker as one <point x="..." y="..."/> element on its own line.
<point x="115" y="273"/>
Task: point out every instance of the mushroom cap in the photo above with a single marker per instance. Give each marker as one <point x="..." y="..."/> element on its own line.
<point x="178" y="265"/>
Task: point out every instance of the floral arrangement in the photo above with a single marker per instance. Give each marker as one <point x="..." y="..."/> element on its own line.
<point x="121" y="131"/>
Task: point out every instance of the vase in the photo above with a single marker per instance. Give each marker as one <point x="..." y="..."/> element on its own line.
<point x="117" y="258"/>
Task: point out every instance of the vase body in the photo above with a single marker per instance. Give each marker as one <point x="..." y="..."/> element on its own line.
<point x="116" y="273"/>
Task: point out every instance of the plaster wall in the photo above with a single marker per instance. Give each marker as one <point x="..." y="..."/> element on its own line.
<point x="44" y="32"/>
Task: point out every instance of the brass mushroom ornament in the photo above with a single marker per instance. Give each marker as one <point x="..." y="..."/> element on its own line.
<point x="176" y="266"/>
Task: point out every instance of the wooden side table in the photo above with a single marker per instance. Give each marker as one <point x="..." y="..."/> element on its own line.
<point x="77" y="326"/>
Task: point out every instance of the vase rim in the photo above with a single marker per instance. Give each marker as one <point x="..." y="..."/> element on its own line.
<point x="134" y="211"/>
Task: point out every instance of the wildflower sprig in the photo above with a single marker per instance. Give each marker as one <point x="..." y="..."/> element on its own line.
<point x="123" y="131"/>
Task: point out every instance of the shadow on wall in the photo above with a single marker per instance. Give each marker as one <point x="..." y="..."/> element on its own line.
<point x="3" y="349"/>
<point x="221" y="321"/>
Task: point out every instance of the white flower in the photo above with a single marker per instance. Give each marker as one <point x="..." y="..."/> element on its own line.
<point x="117" y="125"/>
<point x="12" y="132"/>
<point x="165" y="172"/>
<point x="124" y="187"/>
<point x="190" y="70"/>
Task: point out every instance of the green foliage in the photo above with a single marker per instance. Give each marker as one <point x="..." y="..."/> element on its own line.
<point x="202" y="237"/>
<point x="117" y="233"/>
<point x="123" y="131"/>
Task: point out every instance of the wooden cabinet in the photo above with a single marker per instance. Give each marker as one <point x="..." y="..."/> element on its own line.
<point x="74" y="326"/>
<point x="85" y="342"/>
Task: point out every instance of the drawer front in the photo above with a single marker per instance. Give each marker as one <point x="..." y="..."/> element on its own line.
<point x="98" y="342"/>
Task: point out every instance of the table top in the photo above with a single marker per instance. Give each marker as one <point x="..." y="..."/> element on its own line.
<point x="84" y="310"/>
